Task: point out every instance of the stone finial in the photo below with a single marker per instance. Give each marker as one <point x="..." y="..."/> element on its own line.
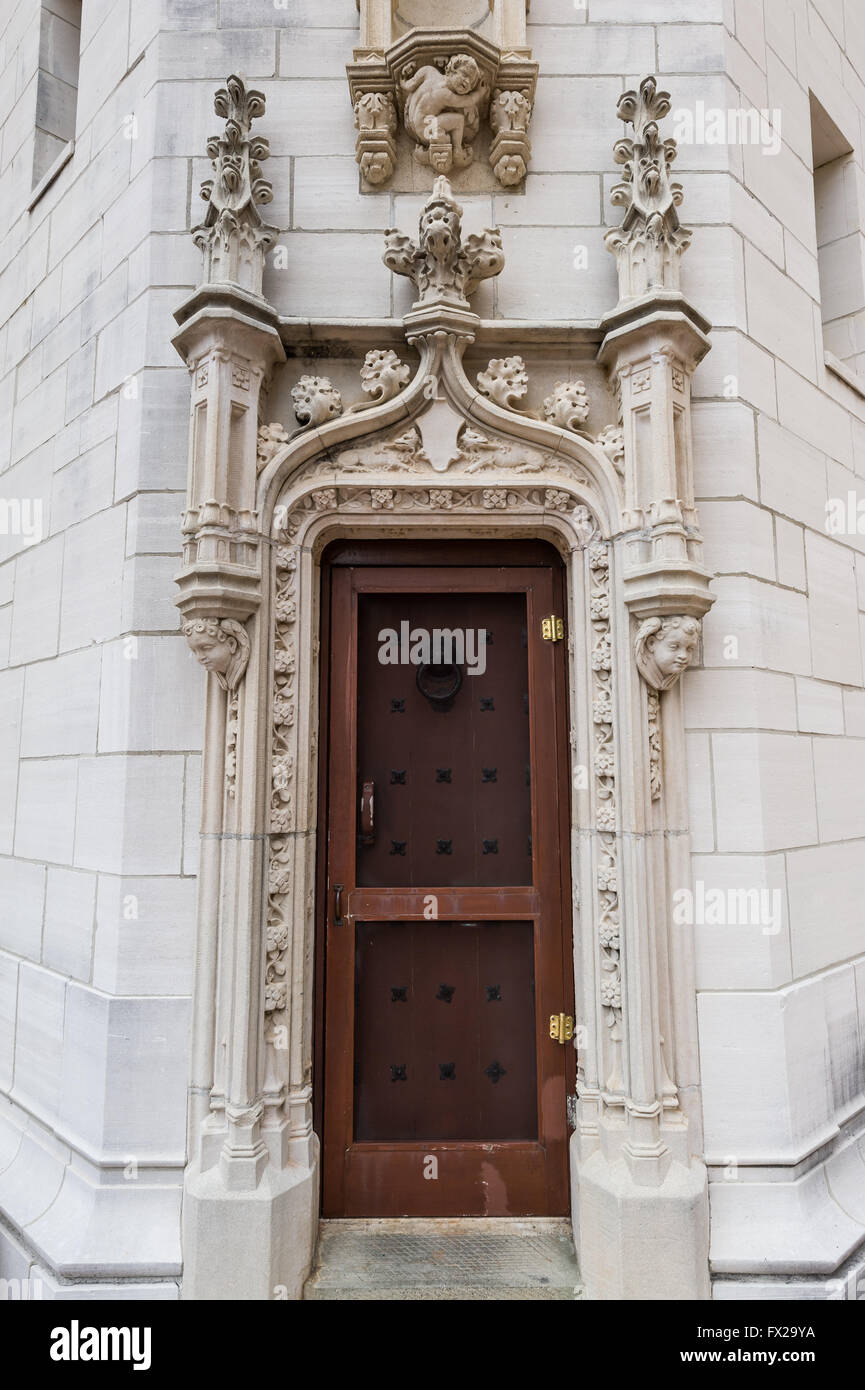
<point x="663" y="648"/>
<point x="222" y="646"/>
<point x="650" y="241"/>
<point x="233" y="235"/>
<point x="444" y="268"/>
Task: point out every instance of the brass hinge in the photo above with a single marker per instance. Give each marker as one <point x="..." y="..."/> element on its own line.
<point x="552" y="628"/>
<point x="561" y="1028"/>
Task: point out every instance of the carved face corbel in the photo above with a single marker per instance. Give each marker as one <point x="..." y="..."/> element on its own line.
<point x="221" y="645"/>
<point x="663" y="648"/>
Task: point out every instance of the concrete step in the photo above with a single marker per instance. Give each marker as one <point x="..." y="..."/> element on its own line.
<point x="458" y="1258"/>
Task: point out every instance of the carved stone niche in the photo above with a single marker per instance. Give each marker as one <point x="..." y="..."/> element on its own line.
<point x="436" y="89"/>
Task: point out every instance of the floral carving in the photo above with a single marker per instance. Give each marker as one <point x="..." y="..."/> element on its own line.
<point x="568" y="405"/>
<point x="233" y="236"/>
<point x="382" y="377"/>
<point x="505" y="381"/>
<point x="221" y="646"/>
<point x="376" y="121"/>
<point x="605" y="804"/>
<point x="315" y="400"/>
<point x="443" y="111"/>
<point x="443" y="268"/>
<point x="663" y="648"/>
<point x="270" y="440"/>
<point x="654" y="707"/>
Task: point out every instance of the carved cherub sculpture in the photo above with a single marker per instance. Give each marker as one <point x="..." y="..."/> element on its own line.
<point x="221" y="646"/>
<point x="442" y="108"/>
<point x="663" y="648"/>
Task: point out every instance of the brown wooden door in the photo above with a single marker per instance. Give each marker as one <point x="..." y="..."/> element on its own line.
<point x="445" y="894"/>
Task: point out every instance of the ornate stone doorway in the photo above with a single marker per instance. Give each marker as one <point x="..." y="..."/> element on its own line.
<point x="427" y="455"/>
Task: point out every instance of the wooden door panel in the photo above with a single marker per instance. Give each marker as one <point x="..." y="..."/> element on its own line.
<point x="445" y="1032"/>
<point x="445" y="950"/>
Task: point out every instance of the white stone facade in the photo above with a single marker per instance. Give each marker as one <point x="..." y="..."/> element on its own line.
<point x="103" y="707"/>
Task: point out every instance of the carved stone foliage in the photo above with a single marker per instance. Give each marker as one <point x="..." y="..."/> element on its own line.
<point x="568" y="405"/>
<point x="222" y="646"/>
<point x="441" y="86"/>
<point x="650" y="241"/>
<point x="382" y="377"/>
<point x="654" y="709"/>
<point x="663" y="648"/>
<point x="315" y="400"/>
<point x="233" y="235"/>
<point x="506" y="382"/>
<point x="443" y="267"/>
<point x="604" y="759"/>
<point x="282" y="807"/>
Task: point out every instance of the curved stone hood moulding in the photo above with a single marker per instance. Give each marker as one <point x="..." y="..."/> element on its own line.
<point x="439" y="85"/>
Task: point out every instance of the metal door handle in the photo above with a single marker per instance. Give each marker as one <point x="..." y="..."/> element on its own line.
<point x="367" y="813"/>
<point x="338" y="919"/>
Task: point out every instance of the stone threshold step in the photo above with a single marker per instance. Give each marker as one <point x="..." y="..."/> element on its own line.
<point x="456" y="1258"/>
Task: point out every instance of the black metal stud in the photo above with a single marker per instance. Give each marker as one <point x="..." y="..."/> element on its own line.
<point x="495" y="1071"/>
<point x="490" y="846"/>
<point x="489" y="774"/>
<point x="399" y="994"/>
<point x="446" y="993"/>
<point x="528" y="774"/>
<point x="447" y="1071"/>
<point x="398" y="847"/>
<point x="487" y="703"/>
<point x="397" y="777"/>
<point x="529" y="850"/>
<point x="444" y="846"/>
<point x="443" y="774"/>
<point x="524" y="636"/>
<point x="525" y="702"/>
<point x="397" y="706"/>
<point x="494" y="994"/>
<point x="397" y="1071"/>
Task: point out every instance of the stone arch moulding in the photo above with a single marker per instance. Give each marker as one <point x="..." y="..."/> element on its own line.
<point x="433" y="455"/>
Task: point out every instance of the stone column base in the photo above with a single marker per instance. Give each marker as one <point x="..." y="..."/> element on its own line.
<point x="638" y="1242"/>
<point x="249" y="1245"/>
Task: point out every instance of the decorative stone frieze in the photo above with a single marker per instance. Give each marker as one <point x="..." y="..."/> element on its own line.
<point x="440" y="85"/>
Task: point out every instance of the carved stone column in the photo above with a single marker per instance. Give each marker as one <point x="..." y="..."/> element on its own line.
<point x="643" y="1206"/>
<point x="238" y="1171"/>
